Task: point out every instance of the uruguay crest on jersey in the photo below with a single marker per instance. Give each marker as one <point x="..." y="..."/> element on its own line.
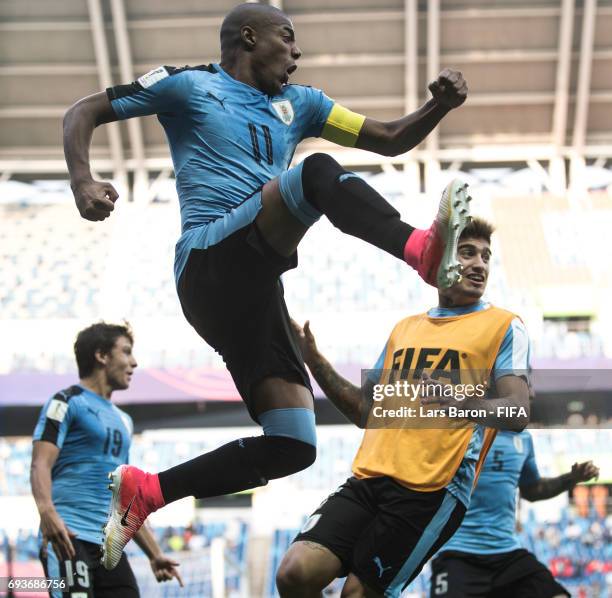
<point x="284" y="111"/>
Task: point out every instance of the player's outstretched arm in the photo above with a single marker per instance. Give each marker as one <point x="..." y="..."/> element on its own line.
<point x="346" y="397"/>
<point x="163" y="567"/>
<point x="546" y="488"/>
<point x="396" y="137"/>
<point x="52" y="527"/>
<point x="95" y="200"/>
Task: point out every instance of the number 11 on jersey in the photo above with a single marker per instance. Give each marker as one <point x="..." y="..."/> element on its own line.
<point x="255" y="143"/>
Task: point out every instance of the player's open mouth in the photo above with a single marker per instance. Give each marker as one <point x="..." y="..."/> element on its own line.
<point x="288" y="73"/>
<point x="477" y="278"/>
<point x="290" y="70"/>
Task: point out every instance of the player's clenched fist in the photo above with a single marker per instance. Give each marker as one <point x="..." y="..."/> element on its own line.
<point x="449" y="89"/>
<point x="95" y="200"/>
<point x="583" y="472"/>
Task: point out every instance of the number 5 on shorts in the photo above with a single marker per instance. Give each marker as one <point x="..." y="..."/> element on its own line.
<point x="441" y="584"/>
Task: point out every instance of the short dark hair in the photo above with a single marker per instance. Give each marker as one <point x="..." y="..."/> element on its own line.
<point x="249" y="13"/>
<point x="478" y="228"/>
<point x="98" y="337"/>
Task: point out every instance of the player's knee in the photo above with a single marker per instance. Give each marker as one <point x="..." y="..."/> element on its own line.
<point x="319" y="172"/>
<point x="289" y="456"/>
<point x="305" y="456"/>
<point x="292" y="578"/>
<point x="291" y="440"/>
<point x="322" y="165"/>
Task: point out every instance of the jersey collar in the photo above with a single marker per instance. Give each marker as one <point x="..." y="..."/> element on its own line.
<point x="445" y="312"/>
<point x="91" y="393"/>
<point x="239" y="84"/>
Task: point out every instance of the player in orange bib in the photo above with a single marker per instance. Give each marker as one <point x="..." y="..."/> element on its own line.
<point x="412" y="481"/>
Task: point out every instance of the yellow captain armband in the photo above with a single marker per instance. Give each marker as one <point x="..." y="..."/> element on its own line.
<point x="342" y="126"/>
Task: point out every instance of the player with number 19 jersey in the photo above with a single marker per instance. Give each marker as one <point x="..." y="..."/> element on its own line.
<point x="94" y="437"/>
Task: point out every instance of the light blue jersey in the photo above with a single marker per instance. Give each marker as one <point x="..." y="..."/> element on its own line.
<point x="489" y="524"/>
<point x="512" y="359"/>
<point x="227" y="139"/>
<point x="93" y="436"/>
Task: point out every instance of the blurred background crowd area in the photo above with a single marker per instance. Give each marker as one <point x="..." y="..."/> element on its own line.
<point x="59" y="273"/>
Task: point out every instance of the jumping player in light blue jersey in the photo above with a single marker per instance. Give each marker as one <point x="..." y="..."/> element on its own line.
<point x="232" y="129"/>
<point x="484" y="558"/>
<point x="81" y="436"/>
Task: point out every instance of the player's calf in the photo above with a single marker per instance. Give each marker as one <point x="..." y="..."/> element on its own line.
<point x="319" y="185"/>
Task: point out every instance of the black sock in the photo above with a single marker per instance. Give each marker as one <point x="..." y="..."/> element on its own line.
<point x="352" y="205"/>
<point x="240" y="465"/>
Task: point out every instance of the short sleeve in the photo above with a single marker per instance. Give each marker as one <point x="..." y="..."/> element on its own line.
<point x="529" y="473"/>
<point x="54" y="420"/>
<point x="317" y="108"/>
<point x="513" y="355"/>
<point x="162" y="90"/>
<point x="375" y="372"/>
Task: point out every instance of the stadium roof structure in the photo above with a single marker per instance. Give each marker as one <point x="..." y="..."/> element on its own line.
<point x="539" y="72"/>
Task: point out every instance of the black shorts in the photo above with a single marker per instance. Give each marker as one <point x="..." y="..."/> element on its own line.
<point x="232" y="295"/>
<point x="87" y="578"/>
<point x="382" y="532"/>
<point x="507" y="575"/>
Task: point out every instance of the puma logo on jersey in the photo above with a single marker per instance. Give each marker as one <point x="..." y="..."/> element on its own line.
<point x="93" y="412"/>
<point x="214" y="97"/>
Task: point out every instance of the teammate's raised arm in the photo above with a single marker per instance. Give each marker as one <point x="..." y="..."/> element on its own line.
<point x="346" y="397"/>
<point x="95" y="200"/>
